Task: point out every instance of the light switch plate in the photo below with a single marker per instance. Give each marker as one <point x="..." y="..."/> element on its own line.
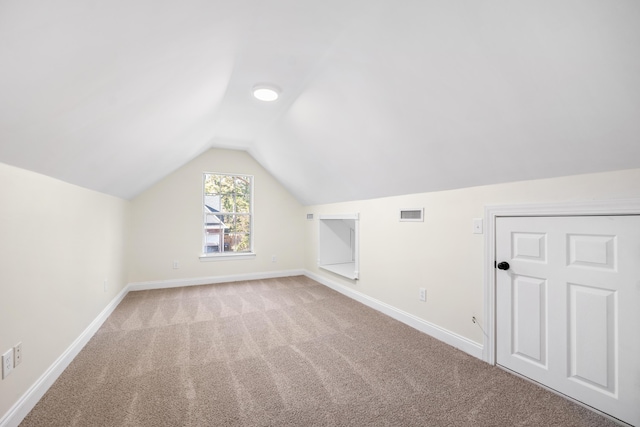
<point x="477" y="225"/>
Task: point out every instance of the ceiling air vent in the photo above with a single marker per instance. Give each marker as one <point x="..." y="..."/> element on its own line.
<point x="412" y="215"/>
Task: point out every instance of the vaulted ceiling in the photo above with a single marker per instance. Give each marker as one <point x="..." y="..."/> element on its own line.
<point x="378" y="97"/>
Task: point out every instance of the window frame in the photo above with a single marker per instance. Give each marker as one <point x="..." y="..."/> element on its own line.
<point x="219" y="256"/>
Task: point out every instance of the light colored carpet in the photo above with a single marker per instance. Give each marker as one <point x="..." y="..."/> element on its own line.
<point x="282" y="352"/>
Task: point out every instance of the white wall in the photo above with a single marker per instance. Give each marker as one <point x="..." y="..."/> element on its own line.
<point x="167" y="224"/>
<point x="58" y="242"/>
<point x="441" y="253"/>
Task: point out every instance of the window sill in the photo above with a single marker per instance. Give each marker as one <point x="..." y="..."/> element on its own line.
<point x="346" y="269"/>
<point x="228" y="257"/>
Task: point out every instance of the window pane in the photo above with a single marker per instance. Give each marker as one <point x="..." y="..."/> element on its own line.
<point x="212" y="203"/>
<point x="244" y="244"/>
<point x="243" y="202"/>
<point x="243" y="194"/>
<point x="236" y="242"/>
<point x="227" y="203"/>
<point x="227" y="222"/>
<point x="243" y="224"/>
<point x="213" y="221"/>
<point x="242" y="184"/>
<point x="213" y="241"/>
<point x="226" y="184"/>
<point x="212" y="184"/>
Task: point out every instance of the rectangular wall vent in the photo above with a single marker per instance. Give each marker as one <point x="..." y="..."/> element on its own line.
<point x="412" y="215"/>
<point x="309" y="216"/>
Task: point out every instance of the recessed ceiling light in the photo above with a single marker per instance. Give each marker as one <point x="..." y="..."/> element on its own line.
<point x="266" y="92"/>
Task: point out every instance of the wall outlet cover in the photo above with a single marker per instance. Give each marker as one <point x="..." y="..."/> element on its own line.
<point x="7" y="363"/>
<point x="17" y="354"/>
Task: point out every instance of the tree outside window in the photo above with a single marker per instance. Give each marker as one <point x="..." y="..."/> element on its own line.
<point x="227" y="210"/>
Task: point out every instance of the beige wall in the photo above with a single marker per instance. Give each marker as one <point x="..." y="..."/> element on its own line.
<point x="58" y="242"/>
<point x="167" y="223"/>
<point x="441" y="254"/>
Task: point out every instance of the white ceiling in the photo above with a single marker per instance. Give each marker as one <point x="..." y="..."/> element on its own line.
<point x="379" y="97"/>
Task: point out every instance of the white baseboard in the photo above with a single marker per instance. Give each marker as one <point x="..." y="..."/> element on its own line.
<point x="453" y="339"/>
<point x="25" y="404"/>
<point x="176" y="283"/>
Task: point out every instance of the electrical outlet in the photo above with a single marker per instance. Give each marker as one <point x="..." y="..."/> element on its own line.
<point x="423" y="294"/>
<point x="7" y="363"/>
<point x="104" y="285"/>
<point x="17" y="354"/>
<point x="176" y="265"/>
<point x="274" y="258"/>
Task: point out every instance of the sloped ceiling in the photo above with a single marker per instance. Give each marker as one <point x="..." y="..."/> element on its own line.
<point x="379" y="97"/>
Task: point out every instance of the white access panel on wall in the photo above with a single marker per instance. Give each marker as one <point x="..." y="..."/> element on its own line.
<point x="568" y="307"/>
<point x="338" y="244"/>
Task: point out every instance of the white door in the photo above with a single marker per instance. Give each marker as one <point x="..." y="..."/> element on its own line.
<point x="568" y="307"/>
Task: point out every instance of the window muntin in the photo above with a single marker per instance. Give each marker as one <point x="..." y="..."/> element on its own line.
<point x="228" y="214"/>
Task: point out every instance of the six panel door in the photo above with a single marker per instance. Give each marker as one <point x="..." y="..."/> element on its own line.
<point x="568" y="307"/>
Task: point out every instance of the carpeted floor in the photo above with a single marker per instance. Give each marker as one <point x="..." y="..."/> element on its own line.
<point x="282" y="352"/>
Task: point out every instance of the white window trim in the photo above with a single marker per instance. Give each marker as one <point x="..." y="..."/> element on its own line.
<point x="228" y="256"/>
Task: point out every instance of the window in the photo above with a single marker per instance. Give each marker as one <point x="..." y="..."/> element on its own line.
<point x="228" y="214"/>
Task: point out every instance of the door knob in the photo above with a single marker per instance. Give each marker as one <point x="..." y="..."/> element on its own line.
<point x="503" y="265"/>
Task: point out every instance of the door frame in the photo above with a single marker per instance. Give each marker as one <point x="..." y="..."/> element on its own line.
<point x="492" y="212"/>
